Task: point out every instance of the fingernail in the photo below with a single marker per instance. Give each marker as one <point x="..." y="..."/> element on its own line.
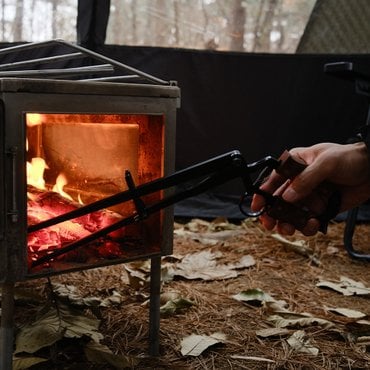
<point x="290" y="195"/>
<point x="311" y="228"/>
<point x="286" y="229"/>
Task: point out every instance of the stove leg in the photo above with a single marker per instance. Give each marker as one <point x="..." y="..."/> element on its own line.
<point x="154" y="314"/>
<point x="7" y="326"/>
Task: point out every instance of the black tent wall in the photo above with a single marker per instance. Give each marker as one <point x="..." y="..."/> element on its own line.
<point x="92" y="22"/>
<point x="259" y="104"/>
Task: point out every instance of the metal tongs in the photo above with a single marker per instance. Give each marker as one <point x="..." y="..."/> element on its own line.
<point x="197" y="179"/>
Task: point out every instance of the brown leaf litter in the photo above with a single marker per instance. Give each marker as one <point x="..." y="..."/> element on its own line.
<point x="279" y="271"/>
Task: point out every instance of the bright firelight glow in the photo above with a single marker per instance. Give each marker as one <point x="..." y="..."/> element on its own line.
<point x="34" y="119"/>
<point x="35" y="173"/>
<point x="59" y="185"/>
<point x="35" y="177"/>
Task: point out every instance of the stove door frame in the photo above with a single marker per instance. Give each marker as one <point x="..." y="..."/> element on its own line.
<point x="79" y="98"/>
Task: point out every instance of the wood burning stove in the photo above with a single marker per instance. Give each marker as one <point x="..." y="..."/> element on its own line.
<point x="65" y="144"/>
<point x="59" y="159"/>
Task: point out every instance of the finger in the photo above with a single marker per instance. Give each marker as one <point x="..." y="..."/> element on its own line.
<point x="273" y="185"/>
<point x="311" y="228"/>
<point x="267" y="222"/>
<point x="258" y="202"/>
<point x="302" y="185"/>
<point x="272" y="182"/>
<point x="285" y="229"/>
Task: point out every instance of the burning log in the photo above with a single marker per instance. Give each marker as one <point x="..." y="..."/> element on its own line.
<point x="44" y="205"/>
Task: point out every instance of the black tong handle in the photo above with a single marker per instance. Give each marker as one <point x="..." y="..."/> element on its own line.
<point x="283" y="211"/>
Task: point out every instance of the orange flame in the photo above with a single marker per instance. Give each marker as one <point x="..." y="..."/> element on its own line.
<point x="61" y="181"/>
<point x="35" y="173"/>
<point x="35" y="177"/>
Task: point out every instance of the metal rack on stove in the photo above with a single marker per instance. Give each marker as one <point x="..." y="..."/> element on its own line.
<point x="117" y="71"/>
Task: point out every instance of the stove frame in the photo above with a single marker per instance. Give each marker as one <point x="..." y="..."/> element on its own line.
<point x="20" y="93"/>
<point x="23" y="95"/>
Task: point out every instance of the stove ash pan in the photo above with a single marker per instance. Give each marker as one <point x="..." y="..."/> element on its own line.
<point x="68" y="144"/>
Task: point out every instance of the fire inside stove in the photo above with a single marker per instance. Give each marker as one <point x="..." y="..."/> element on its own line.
<point x="76" y="159"/>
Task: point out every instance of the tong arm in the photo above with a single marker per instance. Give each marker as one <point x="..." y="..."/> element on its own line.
<point x="210" y="173"/>
<point x="206" y="175"/>
<point x="219" y="170"/>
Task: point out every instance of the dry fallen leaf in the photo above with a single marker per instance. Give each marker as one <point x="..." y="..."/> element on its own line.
<point x="208" y="238"/>
<point x="208" y="233"/>
<point x="27" y="295"/>
<point x="201" y="265"/>
<point x="197" y="225"/>
<point x="353" y="314"/>
<point x="272" y="332"/>
<point x="258" y="297"/>
<point x="169" y="296"/>
<point x="194" y="345"/>
<point x="101" y="354"/>
<point x="70" y="294"/>
<point x="276" y="306"/>
<point x="114" y="299"/>
<point x="54" y="324"/>
<point x="137" y="279"/>
<point x="218" y="224"/>
<point x="298" y="246"/>
<point x="290" y="319"/>
<point x="299" y="343"/>
<point x="204" y="265"/>
<point x="346" y="286"/>
<point x="253" y="296"/>
<point x="175" y="305"/>
<point x="23" y="363"/>
<point x="244" y="262"/>
<point x="365" y="340"/>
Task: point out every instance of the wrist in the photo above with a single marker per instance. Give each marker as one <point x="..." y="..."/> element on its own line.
<point x="362" y="158"/>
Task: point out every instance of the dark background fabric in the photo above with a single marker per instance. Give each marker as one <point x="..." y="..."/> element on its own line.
<point x="259" y="104"/>
<point x="92" y="22"/>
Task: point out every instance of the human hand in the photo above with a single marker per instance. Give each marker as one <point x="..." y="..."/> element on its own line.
<point x="344" y="168"/>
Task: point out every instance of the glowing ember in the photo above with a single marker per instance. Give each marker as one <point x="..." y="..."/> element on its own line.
<point x="45" y="205"/>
